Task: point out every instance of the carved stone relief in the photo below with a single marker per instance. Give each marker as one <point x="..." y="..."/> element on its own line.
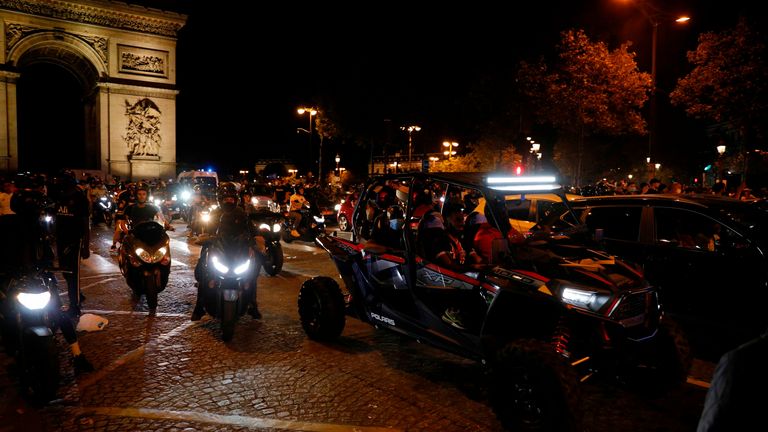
<point x="99" y="44"/>
<point x="142" y="133"/>
<point x="16" y="32"/>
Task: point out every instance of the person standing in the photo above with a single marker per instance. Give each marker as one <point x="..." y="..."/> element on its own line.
<point x="72" y="235"/>
<point x="126" y="198"/>
<point x="8" y="228"/>
<point x="735" y="400"/>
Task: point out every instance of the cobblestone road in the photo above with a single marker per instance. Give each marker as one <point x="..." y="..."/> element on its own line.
<point x="166" y="373"/>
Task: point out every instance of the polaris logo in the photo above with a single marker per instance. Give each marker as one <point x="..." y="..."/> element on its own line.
<point x="385" y="320"/>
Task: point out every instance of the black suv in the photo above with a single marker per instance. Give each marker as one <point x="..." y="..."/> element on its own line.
<point x="707" y="255"/>
<point x="542" y="314"/>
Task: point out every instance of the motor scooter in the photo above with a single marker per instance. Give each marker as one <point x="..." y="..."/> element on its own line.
<point x="102" y="211"/>
<point x="269" y="224"/>
<point x="29" y="309"/>
<point x="312" y="225"/>
<point x="228" y="276"/>
<point x="145" y="261"/>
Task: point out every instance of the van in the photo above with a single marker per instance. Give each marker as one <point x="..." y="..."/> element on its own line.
<point x="207" y="179"/>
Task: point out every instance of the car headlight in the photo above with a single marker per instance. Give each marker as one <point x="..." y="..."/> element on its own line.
<point x="589" y="299"/>
<point x="34" y="301"/>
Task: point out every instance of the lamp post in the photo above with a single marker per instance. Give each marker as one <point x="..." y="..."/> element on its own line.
<point x="450" y="145"/>
<point x="410" y="129"/>
<point x="338" y="159"/>
<point x="655" y="16"/>
<point x="720" y="153"/>
<point x="312" y="112"/>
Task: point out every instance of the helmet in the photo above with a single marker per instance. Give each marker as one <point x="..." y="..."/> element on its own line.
<point x="142" y="186"/>
<point x="385" y="197"/>
<point x="66" y="178"/>
<point x="226" y="190"/>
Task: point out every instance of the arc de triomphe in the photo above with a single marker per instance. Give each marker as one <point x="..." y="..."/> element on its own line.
<point x="123" y="56"/>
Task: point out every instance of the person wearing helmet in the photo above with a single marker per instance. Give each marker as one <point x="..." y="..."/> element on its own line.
<point x="298" y="201"/>
<point x="228" y="220"/>
<point x="142" y="210"/>
<point x="125" y="199"/>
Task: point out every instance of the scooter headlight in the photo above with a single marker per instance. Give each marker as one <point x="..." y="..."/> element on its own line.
<point x="277" y="227"/>
<point x="205" y="216"/>
<point x="151" y="258"/>
<point x="158" y="201"/>
<point x="242" y="268"/>
<point x="219" y="266"/>
<point x="34" y="301"/>
<point x="264" y="227"/>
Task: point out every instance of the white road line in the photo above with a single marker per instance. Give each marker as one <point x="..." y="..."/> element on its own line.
<point x="229" y="420"/>
<point x="122" y="312"/>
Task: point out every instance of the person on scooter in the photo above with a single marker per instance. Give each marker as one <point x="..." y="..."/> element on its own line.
<point x="72" y="234"/>
<point x="126" y="198"/>
<point x="228" y="220"/>
<point x="142" y="210"/>
<point x="298" y="201"/>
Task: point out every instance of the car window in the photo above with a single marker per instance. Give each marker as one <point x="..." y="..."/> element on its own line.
<point x="690" y="230"/>
<point x="620" y="223"/>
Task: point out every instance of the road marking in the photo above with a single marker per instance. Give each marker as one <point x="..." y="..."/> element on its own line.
<point x="121" y="312"/>
<point x="99" y="282"/>
<point x="230" y="420"/>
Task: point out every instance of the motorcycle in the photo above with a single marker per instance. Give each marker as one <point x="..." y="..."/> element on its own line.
<point x="269" y="225"/>
<point x="230" y="269"/>
<point x="200" y="219"/>
<point x="102" y="211"/>
<point x="311" y="226"/>
<point x="30" y="307"/>
<point x="145" y="261"/>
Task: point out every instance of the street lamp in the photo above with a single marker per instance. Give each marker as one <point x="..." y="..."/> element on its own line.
<point x="410" y="129"/>
<point x="450" y="145"/>
<point x="655" y="16"/>
<point x="312" y="112"/>
<point x="338" y="159"/>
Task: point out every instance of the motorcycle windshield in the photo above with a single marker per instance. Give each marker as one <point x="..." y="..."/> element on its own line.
<point x="150" y="232"/>
<point x="234" y="248"/>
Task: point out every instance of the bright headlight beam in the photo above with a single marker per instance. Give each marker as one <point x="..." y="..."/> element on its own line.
<point x="34" y="301"/>
<point x="220" y="267"/>
<point x="242" y="268"/>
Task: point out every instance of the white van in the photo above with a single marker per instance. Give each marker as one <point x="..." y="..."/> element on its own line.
<point x="207" y="179"/>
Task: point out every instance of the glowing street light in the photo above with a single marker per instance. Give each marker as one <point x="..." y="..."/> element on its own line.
<point x="338" y="159"/>
<point x="655" y="16"/>
<point x="312" y="112"/>
<point x="410" y="129"/>
<point x="450" y="146"/>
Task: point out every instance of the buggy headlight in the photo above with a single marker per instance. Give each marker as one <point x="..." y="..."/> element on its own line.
<point x="34" y="301"/>
<point x="584" y="298"/>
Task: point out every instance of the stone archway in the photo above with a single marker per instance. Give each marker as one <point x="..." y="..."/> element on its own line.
<point x="121" y="57"/>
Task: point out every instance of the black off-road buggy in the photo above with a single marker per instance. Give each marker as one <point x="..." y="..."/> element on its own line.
<point x="545" y="313"/>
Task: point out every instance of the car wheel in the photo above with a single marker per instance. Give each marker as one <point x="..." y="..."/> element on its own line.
<point x="344" y="223"/>
<point x="533" y="388"/>
<point x="321" y="309"/>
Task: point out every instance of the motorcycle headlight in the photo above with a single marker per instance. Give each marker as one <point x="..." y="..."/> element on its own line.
<point x="319" y="219"/>
<point x="103" y="199"/>
<point x="218" y="265"/>
<point x="277" y="227"/>
<point x="34" y="301"/>
<point x="151" y="258"/>
<point x="264" y="227"/>
<point x="47" y="218"/>
<point x="205" y="216"/>
<point x="582" y="298"/>
<point x="242" y="268"/>
<point x="337" y="207"/>
<point x="255" y="201"/>
<point x="158" y="201"/>
<point x="186" y="195"/>
<point x="174" y="198"/>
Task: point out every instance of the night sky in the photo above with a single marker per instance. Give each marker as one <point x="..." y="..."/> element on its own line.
<point x="242" y="71"/>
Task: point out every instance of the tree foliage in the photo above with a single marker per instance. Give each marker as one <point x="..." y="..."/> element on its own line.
<point x="729" y="80"/>
<point x="589" y="89"/>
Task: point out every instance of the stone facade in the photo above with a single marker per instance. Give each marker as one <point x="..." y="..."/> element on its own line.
<point x="123" y="55"/>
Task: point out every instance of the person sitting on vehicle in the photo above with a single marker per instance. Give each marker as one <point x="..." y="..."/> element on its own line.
<point x="228" y="220"/>
<point x="124" y="199"/>
<point x="297" y="203"/>
<point x="439" y="236"/>
<point x="142" y="211"/>
<point x="388" y="228"/>
<point x="479" y="235"/>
